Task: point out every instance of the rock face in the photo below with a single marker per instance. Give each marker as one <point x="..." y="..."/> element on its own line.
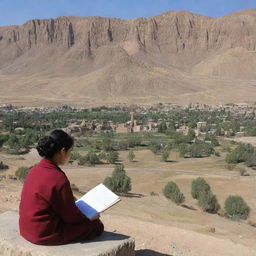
<point x="122" y="58"/>
<point x="109" y="244"/>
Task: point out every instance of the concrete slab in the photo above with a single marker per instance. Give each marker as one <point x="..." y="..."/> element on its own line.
<point x="12" y="244"/>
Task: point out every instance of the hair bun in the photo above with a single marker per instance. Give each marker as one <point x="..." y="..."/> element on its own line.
<point x="49" y="145"/>
<point x="46" y="147"/>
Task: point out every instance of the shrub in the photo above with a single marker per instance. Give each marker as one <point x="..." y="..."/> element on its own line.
<point x="121" y="145"/>
<point x="155" y="147"/>
<point x="213" y="139"/>
<point x="251" y="161"/>
<point x="217" y="153"/>
<point x="119" y="182"/>
<point x="91" y="158"/>
<point x="184" y="150"/>
<point x="112" y="157"/>
<point x="179" y="138"/>
<point x="102" y="155"/>
<point x="165" y="156"/>
<point x="162" y="127"/>
<point x="191" y="134"/>
<point x="208" y="202"/>
<point x="236" y="208"/>
<point x="172" y="191"/>
<point x="3" y="166"/>
<point x="75" y="155"/>
<point x="201" y="149"/>
<point x="241" y="153"/>
<point x="107" y="143"/>
<point x="13" y="142"/>
<point x="243" y="172"/>
<point x="198" y="149"/>
<point x="82" y="143"/>
<point x="133" y="140"/>
<point x="3" y="139"/>
<point x="199" y="185"/>
<point x="21" y="173"/>
<point x="108" y="183"/>
<point x="131" y="155"/>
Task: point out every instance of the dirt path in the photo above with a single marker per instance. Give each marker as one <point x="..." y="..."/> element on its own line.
<point x="156" y="240"/>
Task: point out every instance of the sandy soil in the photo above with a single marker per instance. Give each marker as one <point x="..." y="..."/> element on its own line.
<point x="159" y="226"/>
<point x="251" y="140"/>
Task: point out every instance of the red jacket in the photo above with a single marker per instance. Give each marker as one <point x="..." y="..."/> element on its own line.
<point x="48" y="214"/>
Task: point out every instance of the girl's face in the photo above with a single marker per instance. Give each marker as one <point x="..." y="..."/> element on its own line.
<point x="64" y="156"/>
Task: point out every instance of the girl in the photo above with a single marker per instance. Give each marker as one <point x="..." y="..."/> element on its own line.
<point x="48" y="213"/>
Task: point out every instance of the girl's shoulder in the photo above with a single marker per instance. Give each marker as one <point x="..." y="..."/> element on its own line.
<point x="48" y="173"/>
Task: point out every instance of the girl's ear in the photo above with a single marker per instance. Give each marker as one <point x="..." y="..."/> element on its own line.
<point x="63" y="151"/>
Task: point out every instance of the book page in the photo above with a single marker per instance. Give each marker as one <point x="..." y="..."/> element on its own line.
<point x="97" y="200"/>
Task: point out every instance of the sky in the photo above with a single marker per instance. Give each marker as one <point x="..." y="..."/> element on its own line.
<point x="16" y="12"/>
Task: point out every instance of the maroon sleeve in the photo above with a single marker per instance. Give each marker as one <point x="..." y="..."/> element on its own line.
<point x="64" y="204"/>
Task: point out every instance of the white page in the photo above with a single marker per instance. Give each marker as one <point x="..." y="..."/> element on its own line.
<point x="96" y="200"/>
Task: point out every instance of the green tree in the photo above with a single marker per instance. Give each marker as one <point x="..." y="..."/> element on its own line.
<point x="192" y="124"/>
<point x="191" y="134"/>
<point x="75" y="155"/>
<point x="251" y="161"/>
<point x="165" y="155"/>
<point x="131" y="155"/>
<point x="236" y="208"/>
<point x="108" y="183"/>
<point x="155" y="147"/>
<point x="241" y="153"/>
<point x="198" y="185"/>
<point x="91" y="158"/>
<point x="162" y="127"/>
<point x="213" y="139"/>
<point x="112" y="157"/>
<point x="133" y="140"/>
<point x="184" y="150"/>
<point x="13" y="142"/>
<point x="107" y="143"/>
<point x="22" y="172"/>
<point x="172" y="191"/>
<point x="25" y="142"/>
<point x="3" y="139"/>
<point x="102" y="155"/>
<point x="119" y="182"/>
<point x="208" y="202"/>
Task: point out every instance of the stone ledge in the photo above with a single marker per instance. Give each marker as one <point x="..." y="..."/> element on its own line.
<point x="12" y="244"/>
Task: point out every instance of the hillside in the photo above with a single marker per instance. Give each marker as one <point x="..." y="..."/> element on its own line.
<point x="173" y="57"/>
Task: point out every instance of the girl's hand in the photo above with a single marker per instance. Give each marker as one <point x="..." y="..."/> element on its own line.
<point x="96" y="217"/>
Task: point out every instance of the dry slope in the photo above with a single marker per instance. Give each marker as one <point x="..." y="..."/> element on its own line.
<point x="176" y="56"/>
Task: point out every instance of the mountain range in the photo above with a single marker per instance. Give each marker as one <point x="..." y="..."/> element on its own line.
<point x="175" y="57"/>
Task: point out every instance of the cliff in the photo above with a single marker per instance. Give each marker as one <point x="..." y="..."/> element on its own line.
<point x="151" y="57"/>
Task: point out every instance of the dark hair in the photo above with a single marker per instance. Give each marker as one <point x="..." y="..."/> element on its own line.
<point x="50" y="144"/>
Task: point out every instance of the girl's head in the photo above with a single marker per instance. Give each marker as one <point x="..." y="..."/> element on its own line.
<point x="56" y="146"/>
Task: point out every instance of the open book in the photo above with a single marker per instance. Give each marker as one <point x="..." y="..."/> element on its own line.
<point x="96" y="201"/>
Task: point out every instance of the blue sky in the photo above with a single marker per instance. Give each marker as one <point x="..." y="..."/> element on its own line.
<point x="19" y="11"/>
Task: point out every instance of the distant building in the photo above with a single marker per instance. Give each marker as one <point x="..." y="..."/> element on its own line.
<point x="201" y="125"/>
<point x="183" y="129"/>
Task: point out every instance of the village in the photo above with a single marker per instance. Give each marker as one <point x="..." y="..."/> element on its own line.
<point x="81" y="126"/>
